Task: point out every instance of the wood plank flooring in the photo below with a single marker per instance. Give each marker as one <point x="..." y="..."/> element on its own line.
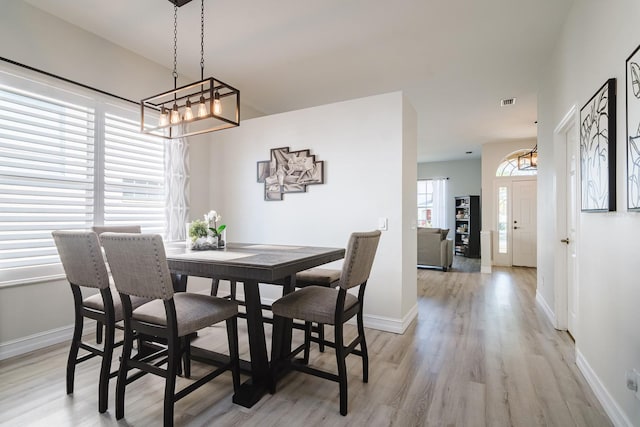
<point x="480" y="354"/>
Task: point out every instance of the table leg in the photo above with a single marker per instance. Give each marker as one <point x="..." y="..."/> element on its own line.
<point x="251" y="391"/>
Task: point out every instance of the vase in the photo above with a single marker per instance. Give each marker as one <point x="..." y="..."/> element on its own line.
<point x="222" y="239"/>
<point x="187" y="239"/>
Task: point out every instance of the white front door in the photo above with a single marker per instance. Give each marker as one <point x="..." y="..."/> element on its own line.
<point x="570" y="240"/>
<point x="524" y="223"/>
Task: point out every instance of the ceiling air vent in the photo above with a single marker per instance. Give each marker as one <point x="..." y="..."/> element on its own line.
<point x="507" y="101"/>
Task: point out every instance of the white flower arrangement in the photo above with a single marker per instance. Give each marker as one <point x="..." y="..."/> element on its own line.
<point x="207" y="234"/>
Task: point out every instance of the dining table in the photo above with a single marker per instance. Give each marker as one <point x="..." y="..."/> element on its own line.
<point x="250" y="264"/>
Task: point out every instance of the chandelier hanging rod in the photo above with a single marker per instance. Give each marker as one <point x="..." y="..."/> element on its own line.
<point x="204" y="106"/>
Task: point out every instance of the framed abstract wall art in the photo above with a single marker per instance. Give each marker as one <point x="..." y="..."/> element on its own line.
<point x="598" y="150"/>
<point x="633" y="130"/>
<point x="289" y="172"/>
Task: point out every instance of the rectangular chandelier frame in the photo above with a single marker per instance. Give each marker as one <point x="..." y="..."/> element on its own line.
<point x="209" y="89"/>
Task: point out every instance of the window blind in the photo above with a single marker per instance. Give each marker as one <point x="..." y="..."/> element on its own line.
<point x="133" y="176"/>
<point x="46" y="174"/>
<point x="69" y="158"/>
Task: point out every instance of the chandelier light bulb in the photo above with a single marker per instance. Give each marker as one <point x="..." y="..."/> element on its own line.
<point x="164" y="118"/>
<point x="175" y="115"/>
<point x="203" y="111"/>
<point x="188" y="112"/>
<point x="217" y="106"/>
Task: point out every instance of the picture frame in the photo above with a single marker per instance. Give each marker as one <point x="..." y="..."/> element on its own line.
<point x="632" y="86"/>
<point x="597" y="154"/>
<point x="288" y="172"/>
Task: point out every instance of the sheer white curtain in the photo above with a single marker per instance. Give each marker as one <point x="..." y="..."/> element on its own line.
<point x="177" y="188"/>
<point x="439" y="212"/>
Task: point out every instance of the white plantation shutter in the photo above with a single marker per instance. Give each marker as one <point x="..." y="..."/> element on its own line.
<point x="134" y="190"/>
<point x="46" y="176"/>
<point x="69" y="158"/>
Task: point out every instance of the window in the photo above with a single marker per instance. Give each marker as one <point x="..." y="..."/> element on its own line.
<point x="509" y="165"/>
<point x="502" y="219"/>
<point x="69" y="158"/>
<point x="425" y="203"/>
<point x="432" y="196"/>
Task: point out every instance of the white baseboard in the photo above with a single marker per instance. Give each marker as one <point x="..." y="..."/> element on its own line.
<point x="485" y="269"/>
<point x="546" y="309"/>
<point x="613" y="410"/>
<point x="41" y="340"/>
<point x="381" y="323"/>
<point x="389" y="324"/>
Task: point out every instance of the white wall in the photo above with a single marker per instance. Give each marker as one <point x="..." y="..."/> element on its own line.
<point x="369" y="149"/>
<point x="596" y="40"/>
<point x="464" y="179"/>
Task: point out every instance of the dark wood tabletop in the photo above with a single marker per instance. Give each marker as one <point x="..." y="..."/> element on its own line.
<point x="251" y="264"/>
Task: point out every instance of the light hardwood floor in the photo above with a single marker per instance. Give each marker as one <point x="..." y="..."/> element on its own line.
<point x="481" y="353"/>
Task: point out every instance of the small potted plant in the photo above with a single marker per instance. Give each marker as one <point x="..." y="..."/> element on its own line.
<point x="207" y="234"/>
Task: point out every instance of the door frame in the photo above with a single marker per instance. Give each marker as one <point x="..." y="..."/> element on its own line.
<point x="506" y="260"/>
<point x="561" y="287"/>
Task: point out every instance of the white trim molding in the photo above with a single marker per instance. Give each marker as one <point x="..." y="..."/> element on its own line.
<point x="41" y="340"/>
<point x="613" y="410"/>
<point x="381" y="323"/>
<point x="389" y="324"/>
<point x="546" y="310"/>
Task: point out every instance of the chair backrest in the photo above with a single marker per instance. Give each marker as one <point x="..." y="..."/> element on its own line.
<point x="359" y="258"/>
<point x="138" y="264"/>
<point x="81" y="258"/>
<point x="99" y="229"/>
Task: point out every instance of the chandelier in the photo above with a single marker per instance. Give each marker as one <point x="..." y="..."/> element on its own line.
<point x="204" y="106"/>
<point x="529" y="160"/>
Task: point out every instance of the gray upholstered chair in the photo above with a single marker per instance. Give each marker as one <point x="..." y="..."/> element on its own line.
<point x="84" y="266"/>
<point x="139" y="268"/>
<point x="99" y="229"/>
<point x="327" y="306"/>
<point x="325" y="277"/>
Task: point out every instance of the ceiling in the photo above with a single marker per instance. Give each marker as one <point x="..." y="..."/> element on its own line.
<point x="454" y="59"/>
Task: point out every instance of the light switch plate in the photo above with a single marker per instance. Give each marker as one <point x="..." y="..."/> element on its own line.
<point x="382" y="224"/>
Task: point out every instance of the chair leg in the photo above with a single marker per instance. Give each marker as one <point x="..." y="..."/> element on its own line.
<point x="122" y="372"/>
<point x="73" y="351"/>
<point x="307" y="341"/>
<point x="342" y="368"/>
<point x="321" y="337"/>
<point x="186" y="356"/>
<point x="99" y="333"/>
<point x="170" y="384"/>
<point x="276" y="350"/>
<point x="363" y="348"/>
<point x="105" y="369"/>
<point x="232" y="336"/>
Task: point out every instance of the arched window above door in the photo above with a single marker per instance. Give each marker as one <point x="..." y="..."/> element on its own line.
<point x="509" y="165"/>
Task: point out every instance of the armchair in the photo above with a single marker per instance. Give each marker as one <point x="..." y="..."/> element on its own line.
<point x="434" y="249"/>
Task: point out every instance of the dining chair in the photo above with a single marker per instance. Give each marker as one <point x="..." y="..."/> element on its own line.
<point x="325" y="277"/>
<point x="139" y="268"/>
<point x="99" y="229"/>
<point x="327" y="306"/>
<point x="84" y="266"/>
